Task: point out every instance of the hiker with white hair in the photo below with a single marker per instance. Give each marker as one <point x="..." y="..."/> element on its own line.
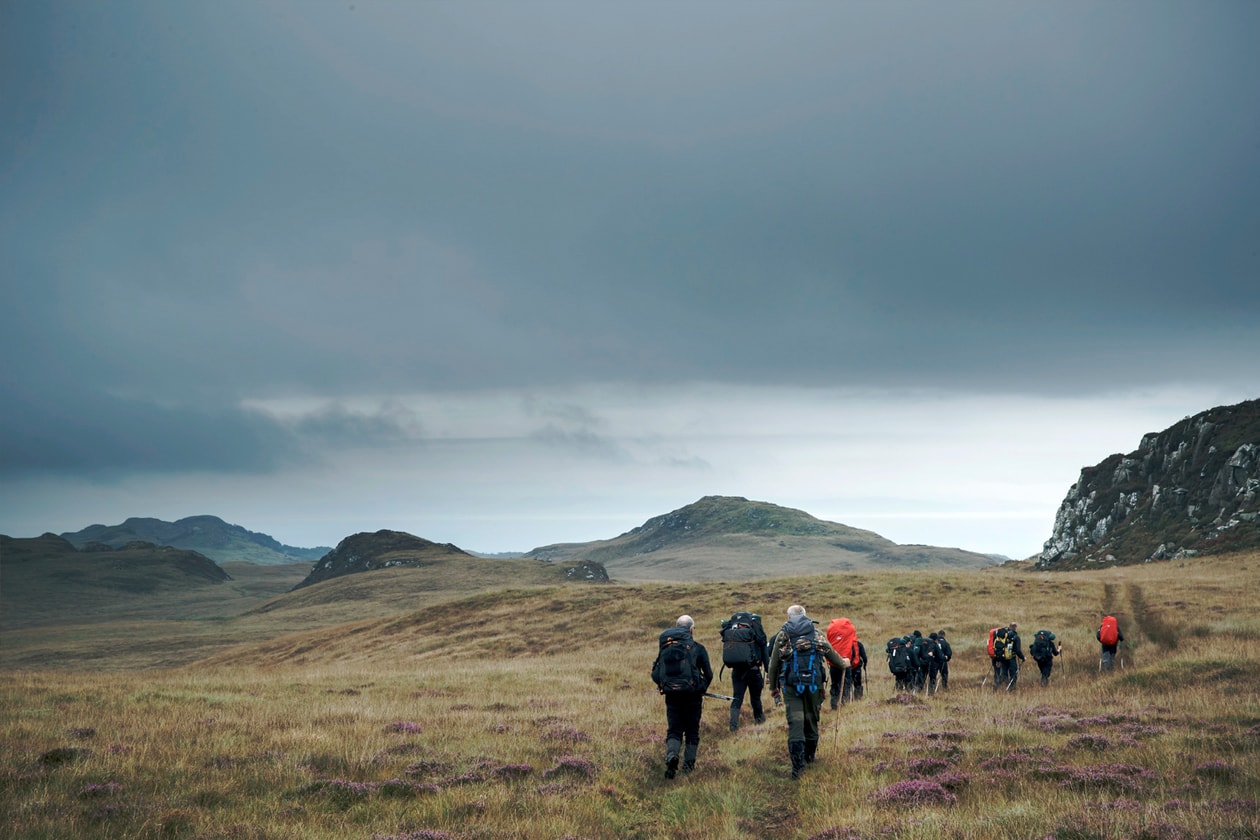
<point x="682" y="673"/>
<point x="799" y="656"/>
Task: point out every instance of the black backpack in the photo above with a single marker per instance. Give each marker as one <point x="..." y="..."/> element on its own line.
<point x="804" y="663"/>
<point x="675" y="668"/>
<point x="898" y="656"/>
<point x="741" y="640"/>
<point x="1042" y="646"/>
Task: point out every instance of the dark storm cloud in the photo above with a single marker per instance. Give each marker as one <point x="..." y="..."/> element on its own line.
<point x="204" y="205"/>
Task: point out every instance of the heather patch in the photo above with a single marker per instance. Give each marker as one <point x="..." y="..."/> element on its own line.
<point x="1058" y="723"/>
<point x="1215" y="770"/>
<point x="1112" y="777"/>
<point x="100" y="790"/>
<point x="565" y="735"/>
<point x="404" y="726"/>
<point x="838" y="833"/>
<point x="64" y="755"/>
<point x="571" y="765"/>
<point x="914" y="793"/>
<point x="1016" y="758"/>
<point x="429" y="767"/>
<point x="1099" y="743"/>
<point x="513" y="771"/>
<point x="422" y="834"/>
<point x="81" y="733"/>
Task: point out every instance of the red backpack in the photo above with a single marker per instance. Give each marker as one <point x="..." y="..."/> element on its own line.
<point x="992" y="634"/>
<point x="1109" y="633"/>
<point x="843" y="637"/>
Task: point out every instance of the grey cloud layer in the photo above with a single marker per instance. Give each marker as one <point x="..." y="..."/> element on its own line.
<point x="203" y="205"/>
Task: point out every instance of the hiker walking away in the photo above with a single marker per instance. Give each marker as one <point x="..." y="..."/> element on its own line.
<point x="922" y="655"/>
<point x="797" y="657"/>
<point x="1110" y="637"/>
<point x="997" y="654"/>
<point x="846" y="683"/>
<point x="1043" y="651"/>
<point x="1014" y="656"/>
<point x="900" y="663"/>
<point x="934" y="665"/>
<point x="682" y="673"/>
<point x="745" y="652"/>
<point x="947" y="653"/>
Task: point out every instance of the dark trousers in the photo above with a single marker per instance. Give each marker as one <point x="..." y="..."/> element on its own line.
<point x="1045" y="666"/>
<point x="750" y="680"/>
<point x="846" y="685"/>
<point x="945" y="675"/>
<point x="682" y="721"/>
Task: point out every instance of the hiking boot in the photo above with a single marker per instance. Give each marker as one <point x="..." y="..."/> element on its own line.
<point x="835" y="704"/>
<point x="759" y="718"/>
<point x="796" y="749"/>
<point x="688" y="766"/>
<point x="734" y="727"/>
<point x="671" y="765"/>
<point x="811" y="747"/>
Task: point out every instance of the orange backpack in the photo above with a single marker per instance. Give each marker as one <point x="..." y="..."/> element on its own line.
<point x="1109" y="633"/>
<point x="843" y="637"/>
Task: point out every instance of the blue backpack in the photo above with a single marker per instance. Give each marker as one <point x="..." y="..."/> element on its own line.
<point x="803" y="668"/>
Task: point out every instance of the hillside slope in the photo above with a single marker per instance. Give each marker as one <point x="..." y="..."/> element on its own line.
<point x="1192" y="488"/>
<point x="730" y="537"/>
<point x="209" y="535"/>
<point x="47" y="580"/>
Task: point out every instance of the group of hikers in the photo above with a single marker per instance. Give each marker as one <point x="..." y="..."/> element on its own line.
<point x="798" y="660"/>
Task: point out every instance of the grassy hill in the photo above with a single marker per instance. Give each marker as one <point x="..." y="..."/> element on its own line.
<point x="730" y="537"/>
<point x="526" y="712"/>
<point x="208" y="535"/>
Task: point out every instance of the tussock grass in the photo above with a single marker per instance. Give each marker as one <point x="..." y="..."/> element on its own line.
<point x="528" y="713"/>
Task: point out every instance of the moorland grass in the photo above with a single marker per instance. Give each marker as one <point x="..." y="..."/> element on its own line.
<point x="529" y="713"/>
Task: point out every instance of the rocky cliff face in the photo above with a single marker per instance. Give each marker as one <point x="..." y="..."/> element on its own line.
<point x="1192" y="488"/>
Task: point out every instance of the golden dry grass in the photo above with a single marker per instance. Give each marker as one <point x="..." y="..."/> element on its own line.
<point x="528" y="713"/>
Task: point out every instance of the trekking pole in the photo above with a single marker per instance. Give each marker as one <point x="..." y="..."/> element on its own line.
<point x="717" y="696"/>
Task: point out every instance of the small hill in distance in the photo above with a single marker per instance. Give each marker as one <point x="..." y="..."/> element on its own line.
<point x="732" y="538"/>
<point x="209" y="535"/>
<point x="370" y="552"/>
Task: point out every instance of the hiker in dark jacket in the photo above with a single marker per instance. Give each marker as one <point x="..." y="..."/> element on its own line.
<point x="803" y="706"/>
<point x="747" y="676"/>
<point x="934" y="665"/>
<point x="947" y="653"/>
<point x="1010" y="668"/>
<point x="923" y="655"/>
<point x="683" y="710"/>
<point x="1043" y="651"/>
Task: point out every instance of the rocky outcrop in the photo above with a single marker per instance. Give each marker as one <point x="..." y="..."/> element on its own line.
<point x="1192" y="488"/>
<point x="366" y="552"/>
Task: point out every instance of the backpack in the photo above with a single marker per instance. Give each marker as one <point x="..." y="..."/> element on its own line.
<point x="675" y="668"/>
<point x="1041" y="647"/>
<point x="1001" y="650"/>
<point x="843" y="637"/>
<point x="803" y="667"/>
<point x="898" y="656"/>
<point x="1109" y="633"/>
<point x="740" y="645"/>
<point x="993" y="640"/>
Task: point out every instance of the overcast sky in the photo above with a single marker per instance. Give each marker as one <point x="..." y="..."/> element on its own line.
<point x="505" y="274"/>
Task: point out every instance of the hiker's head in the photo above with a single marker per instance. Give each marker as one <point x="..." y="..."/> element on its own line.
<point x="1011" y="626"/>
<point x="932" y="636"/>
<point x="686" y="622"/>
<point x="796" y="611"/>
<point x="917" y="634"/>
<point x="940" y="634"/>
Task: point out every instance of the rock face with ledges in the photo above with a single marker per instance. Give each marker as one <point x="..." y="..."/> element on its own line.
<point x="1192" y="488"/>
